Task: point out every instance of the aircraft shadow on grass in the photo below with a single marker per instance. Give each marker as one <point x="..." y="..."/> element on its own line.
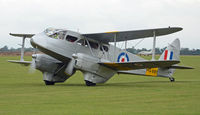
<point x="125" y="84"/>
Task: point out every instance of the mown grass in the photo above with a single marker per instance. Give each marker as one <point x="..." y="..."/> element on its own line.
<point x="22" y="93"/>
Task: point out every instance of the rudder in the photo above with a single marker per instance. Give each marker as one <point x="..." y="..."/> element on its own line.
<point x="172" y="52"/>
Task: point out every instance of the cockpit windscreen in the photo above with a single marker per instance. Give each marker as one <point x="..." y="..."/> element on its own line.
<point x="55" y="33"/>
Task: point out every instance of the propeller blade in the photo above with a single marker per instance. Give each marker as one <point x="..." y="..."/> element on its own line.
<point x="70" y="67"/>
<point x="33" y="64"/>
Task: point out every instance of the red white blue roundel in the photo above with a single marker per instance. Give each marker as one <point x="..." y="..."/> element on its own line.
<point x="123" y="57"/>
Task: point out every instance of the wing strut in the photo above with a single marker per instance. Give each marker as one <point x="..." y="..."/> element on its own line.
<point x="154" y="45"/>
<point x="89" y="47"/>
<point x="24" y="36"/>
<point x="115" y="43"/>
<point x="22" y="50"/>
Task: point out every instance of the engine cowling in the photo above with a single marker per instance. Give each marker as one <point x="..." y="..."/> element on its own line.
<point x="92" y="71"/>
<point x="53" y="70"/>
<point x="45" y="63"/>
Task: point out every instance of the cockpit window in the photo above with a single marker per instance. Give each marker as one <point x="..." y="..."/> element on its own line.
<point x="62" y="34"/>
<point x="71" y="38"/>
<point x="49" y="31"/>
<point x="55" y="33"/>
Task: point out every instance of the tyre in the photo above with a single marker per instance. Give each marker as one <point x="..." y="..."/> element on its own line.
<point x="88" y="83"/>
<point x="172" y="79"/>
<point x="49" y="82"/>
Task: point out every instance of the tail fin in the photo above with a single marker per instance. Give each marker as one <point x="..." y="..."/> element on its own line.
<point x="172" y="52"/>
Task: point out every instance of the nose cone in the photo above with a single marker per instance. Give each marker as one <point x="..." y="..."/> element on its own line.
<point x="34" y="56"/>
<point x="38" y="40"/>
<point x="32" y="42"/>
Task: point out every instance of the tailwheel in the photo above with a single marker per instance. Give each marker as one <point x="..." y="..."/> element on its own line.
<point x="49" y="82"/>
<point x="172" y="79"/>
<point x="88" y="83"/>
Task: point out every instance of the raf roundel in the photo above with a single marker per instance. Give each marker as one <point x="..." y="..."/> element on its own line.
<point x="123" y="57"/>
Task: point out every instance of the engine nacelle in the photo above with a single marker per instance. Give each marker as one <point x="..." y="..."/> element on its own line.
<point x="91" y="70"/>
<point x="53" y="70"/>
<point x="45" y="63"/>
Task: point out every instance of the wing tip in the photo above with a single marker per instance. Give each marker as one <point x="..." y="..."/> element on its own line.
<point x="181" y="67"/>
<point x="179" y="28"/>
<point x="175" y="29"/>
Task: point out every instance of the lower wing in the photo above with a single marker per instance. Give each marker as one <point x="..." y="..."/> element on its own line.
<point x="139" y="65"/>
<point x="26" y="63"/>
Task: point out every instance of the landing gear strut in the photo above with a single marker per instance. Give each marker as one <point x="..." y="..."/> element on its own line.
<point x="49" y="83"/>
<point x="88" y="83"/>
<point x="172" y="79"/>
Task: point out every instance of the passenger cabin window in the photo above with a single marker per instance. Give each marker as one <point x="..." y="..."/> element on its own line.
<point x="93" y="45"/>
<point x="71" y="38"/>
<point x="105" y="48"/>
<point x="85" y="43"/>
<point x="81" y="42"/>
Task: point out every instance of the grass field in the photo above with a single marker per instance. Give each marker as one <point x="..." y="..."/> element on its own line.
<point x="22" y="93"/>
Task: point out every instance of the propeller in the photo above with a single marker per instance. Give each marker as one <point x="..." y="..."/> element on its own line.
<point x="33" y="64"/>
<point x="70" y="67"/>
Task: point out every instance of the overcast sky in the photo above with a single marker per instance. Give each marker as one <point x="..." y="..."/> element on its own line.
<point x="88" y="16"/>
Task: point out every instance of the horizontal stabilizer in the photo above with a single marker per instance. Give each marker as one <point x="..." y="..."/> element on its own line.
<point x="26" y="63"/>
<point x="22" y="35"/>
<point x="139" y="65"/>
<point x="180" y="67"/>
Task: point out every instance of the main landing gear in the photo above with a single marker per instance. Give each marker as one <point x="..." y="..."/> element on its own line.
<point x="172" y="79"/>
<point x="49" y="83"/>
<point x="88" y="83"/>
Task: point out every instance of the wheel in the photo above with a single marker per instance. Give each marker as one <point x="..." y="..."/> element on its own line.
<point x="49" y="83"/>
<point x="172" y="79"/>
<point x="88" y="83"/>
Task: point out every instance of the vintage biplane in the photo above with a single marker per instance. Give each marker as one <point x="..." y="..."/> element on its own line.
<point x="66" y="51"/>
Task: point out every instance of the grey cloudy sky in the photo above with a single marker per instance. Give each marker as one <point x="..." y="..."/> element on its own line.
<point x="88" y="16"/>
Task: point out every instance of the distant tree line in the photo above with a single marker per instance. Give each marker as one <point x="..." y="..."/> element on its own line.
<point x="184" y="51"/>
<point x="6" y="49"/>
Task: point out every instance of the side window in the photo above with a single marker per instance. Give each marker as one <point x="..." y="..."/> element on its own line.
<point x="81" y="42"/>
<point x="85" y="43"/>
<point x="71" y="38"/>
<point x="94" y="45"/>
<point x="105" y="48"/>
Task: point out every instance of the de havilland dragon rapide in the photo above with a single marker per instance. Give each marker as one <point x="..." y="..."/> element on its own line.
<point x="97" y="56"/>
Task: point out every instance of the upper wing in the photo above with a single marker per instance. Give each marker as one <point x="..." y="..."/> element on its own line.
<point x="22" y="35"/>
<point x="130" y="35"/>
<point x="139" y="65"/>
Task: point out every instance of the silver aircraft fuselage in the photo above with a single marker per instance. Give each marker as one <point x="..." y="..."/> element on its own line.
<point x="63" y="50"/>
<point x="66" y="51"/>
